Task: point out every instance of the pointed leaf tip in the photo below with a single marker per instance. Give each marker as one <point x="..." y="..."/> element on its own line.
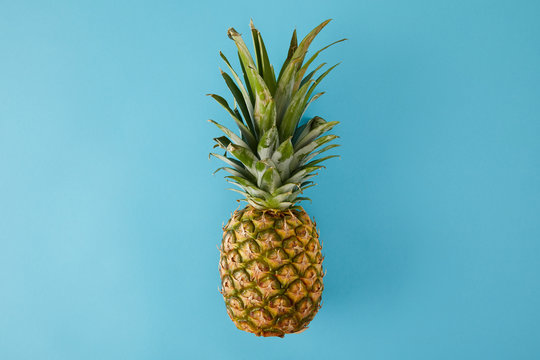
<point x="231" y="33"/>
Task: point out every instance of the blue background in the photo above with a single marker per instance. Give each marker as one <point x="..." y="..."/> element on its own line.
<point x="110" y="218"/>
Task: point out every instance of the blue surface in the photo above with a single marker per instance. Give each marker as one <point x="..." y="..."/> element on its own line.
<point x="110" y="218"/>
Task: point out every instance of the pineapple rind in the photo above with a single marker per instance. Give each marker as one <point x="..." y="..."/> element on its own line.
<point x="271" y="270"/>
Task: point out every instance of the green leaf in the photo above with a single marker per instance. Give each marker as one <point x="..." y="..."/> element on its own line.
<point x="236" y="112"/>
<point x="307" y="127"/>
<point x="316" y="153"/>
<point x="270" y="180"/>
<point x="283" y="156"/>
<point x="310" y="75"/>
<point x="273" y="204"/>
<point x="240" y="99"/>
<point x="287" y="188"/>
<point x="294" y="112"/>
<point x="229" y="170"/>
<point x="319" y="79"/>
<point x="265" y="115"/>
<point x="268" y="143"/>
<point x="307" y="177"/>
<point x="302" y="174"/>
<point x="306" y="42"/>
<point x="260" y="168"/>
<point x="304" y="67"/>
<point x="287" y="80"/>
<point x="246" y="81"/>
<point x="245" y="194"/>
<point x="310" y="184"/>
<point x="248" y="186"/>
<point x="245" y="94"/>
<point x="283" y="197"/>
<point x="237" y="165"/>
<point x="306" y="105"/>
<point x="304" y="151"/>
<point x="318" y="161"/>
<point x="316" y="131"/>
<point x="284" y="89"/>
<point x="235" y="138"/>
<point x="292" y="48"/>
<point x="256" y="47"/>
<point x="263" y="62"/>
<point x="269" y="76"/>
<point x="257" y="203"/>
<point x="222" y="142"/>
<point x="221" y="101"/>
<point x="265" y="111"/>
<point x="245" y="156"/>
<point x="298" y="199"/>
<point x="243" y="129"/>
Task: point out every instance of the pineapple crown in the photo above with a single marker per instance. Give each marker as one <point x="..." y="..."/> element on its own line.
<point x="274" y="156"/>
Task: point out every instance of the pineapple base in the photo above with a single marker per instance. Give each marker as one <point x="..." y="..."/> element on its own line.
<point x="271" y="270"/>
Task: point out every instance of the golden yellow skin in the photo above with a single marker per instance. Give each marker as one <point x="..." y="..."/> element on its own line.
<point x="271" y="270"/>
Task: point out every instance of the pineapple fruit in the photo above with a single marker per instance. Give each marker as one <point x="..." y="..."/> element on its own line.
<point x="271" y="262"/>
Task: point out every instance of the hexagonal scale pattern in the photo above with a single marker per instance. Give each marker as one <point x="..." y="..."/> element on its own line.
<point x="271" y="270"/>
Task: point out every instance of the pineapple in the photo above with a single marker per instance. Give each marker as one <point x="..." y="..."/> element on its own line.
<point x="270" y="256"/>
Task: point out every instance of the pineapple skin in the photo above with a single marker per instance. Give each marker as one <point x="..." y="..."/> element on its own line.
<point x="271" y="270"/>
